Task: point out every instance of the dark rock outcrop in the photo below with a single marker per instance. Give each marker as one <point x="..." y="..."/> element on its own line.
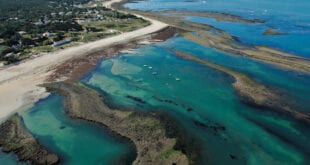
<point x="14" y="137"/>
<point x="144" y="130"/>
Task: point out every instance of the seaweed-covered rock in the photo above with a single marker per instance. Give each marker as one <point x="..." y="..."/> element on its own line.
<point x="14" y="137"/>
<point x="146" y="131"/>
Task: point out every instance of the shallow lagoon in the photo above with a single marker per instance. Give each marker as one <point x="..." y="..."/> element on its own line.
<point x="199" y="98"/>
<point x="294" y="85"/>
<point x="78" y="142"/>
<point x="204" y="103"/>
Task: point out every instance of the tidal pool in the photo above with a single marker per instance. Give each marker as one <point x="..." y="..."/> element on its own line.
<point x="77" y="142"/>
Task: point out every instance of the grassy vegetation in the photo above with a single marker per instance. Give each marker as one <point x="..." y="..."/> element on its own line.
<point x="120" y="26"/>
<point x="3" y="48"/>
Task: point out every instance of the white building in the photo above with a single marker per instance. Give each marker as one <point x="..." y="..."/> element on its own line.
<point x="22" y="32"/>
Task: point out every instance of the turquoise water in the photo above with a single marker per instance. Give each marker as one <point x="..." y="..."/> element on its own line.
<point x="9" y="159"/>
<point x="289" y="16"/>
<point x="76" y="141"/>
<point x="201" y="99"/>
<point x="294" y="85"/>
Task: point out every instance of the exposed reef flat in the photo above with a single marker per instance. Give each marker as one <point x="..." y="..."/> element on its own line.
<point x="252" y="92"/>
<point x="216" y="15"/>
<point x="14" y="137"/>
<point x="224" y="43"/>
<point x="213" y="37"/>
<point x="272" y="31"/>
<point x="145" y="131"/>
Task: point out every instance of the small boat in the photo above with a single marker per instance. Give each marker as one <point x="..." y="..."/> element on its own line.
<point x="150" y="67"/>
<point x="145" y="65"/>
<point x="177" y="79"/>
<point x="154" y="73"/>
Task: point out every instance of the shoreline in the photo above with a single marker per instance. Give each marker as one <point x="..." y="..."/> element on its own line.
<point x="77" y="67"/>
<point x="19" y="83"/>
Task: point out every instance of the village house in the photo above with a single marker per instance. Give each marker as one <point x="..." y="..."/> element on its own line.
<point x="47" y="34"/>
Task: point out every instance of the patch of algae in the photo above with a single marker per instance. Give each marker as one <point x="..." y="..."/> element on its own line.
<point x="145" y="131"/>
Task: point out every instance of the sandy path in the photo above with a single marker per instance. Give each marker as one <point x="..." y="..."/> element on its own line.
<point x="18" y="84"/>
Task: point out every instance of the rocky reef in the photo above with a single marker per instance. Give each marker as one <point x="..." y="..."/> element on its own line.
<point x="14" y="137"/>
<point x="252" y="92"/>
<point x="144" y="130"/>
<point x="272" y="31"/>
<point x="223" y="42"/>
<point x="213" y="37"/>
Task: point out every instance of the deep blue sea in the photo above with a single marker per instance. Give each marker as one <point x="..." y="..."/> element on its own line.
<point x="291" y="17"/>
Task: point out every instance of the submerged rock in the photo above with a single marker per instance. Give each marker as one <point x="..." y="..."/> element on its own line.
<point x="252" y="92"/>
<point x="190" y="109"/>
<point x="272" y="31"/>
<point x="14" y="137"/>
<point x="233" y="157"/>
<point x="62" y="127"/>
<point x="146" y="131"/>
<point x="137" y="99"/>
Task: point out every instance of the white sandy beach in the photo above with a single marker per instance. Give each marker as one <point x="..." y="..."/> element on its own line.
<point x="19" y="83"/>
